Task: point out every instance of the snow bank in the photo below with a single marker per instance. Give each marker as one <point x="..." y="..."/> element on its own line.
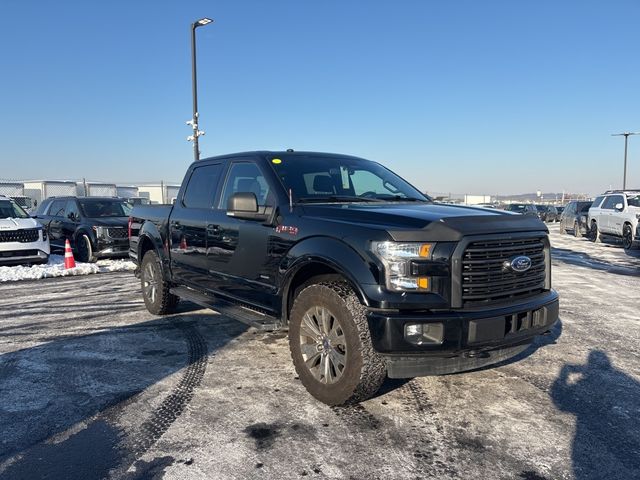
<point x="55" y="268"/>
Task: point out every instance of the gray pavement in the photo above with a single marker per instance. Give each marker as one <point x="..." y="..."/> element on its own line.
<point x="93" y="386"/>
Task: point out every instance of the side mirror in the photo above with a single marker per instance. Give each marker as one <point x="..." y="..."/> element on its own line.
<point x="619" y="207"/>
<point x="245" y="205"/>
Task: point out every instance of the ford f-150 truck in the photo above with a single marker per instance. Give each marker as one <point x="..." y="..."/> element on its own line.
<point x="370" y="277"/>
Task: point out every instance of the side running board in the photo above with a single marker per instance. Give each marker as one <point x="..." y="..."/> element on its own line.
<point x="247" y="315"/>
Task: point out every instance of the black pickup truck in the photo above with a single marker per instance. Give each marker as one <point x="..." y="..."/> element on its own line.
<point x="370" y="277"/>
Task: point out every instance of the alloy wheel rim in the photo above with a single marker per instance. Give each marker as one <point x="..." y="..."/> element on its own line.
<point x="626" y="238"/>
<point x="323" y="345"/>
<point x="150" y="283"/>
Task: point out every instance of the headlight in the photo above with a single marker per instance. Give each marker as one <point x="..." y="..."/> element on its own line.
<point x="100" y="231"/>
<point x="44" y="234"/>
<point x="397" y="258"/>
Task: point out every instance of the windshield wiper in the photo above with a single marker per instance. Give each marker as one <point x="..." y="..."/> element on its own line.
<point x="337" y="199"/>
<point x="398" y="198"/>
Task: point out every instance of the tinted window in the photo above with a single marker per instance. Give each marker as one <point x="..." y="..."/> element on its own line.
<point x="104" y="208"/>
<point x="610" y="202"/>
<point x="597" y="202"/>
<point x="633" y="200"/>
<point x="245" y="177"/>
<point x="9" y="209"/>
<point x="571" y="208"/>
<point x="584" y="208"/>
<point x="201" y="189"/>
<point x="57" y="208"/>
<point x="72" y="210"/>
<point x="316" y="177"/>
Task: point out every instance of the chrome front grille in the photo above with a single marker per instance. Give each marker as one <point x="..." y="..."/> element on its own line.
<point x="486" y="277"/>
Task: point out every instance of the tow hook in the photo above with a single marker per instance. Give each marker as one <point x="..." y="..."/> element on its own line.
<point x="476" y="354"/>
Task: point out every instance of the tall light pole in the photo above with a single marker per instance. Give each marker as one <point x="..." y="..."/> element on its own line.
<point x="626" y="139"/>
<point x="194" y="88"/>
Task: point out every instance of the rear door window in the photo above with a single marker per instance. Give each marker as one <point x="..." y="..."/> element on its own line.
<point x="202" y="187"/>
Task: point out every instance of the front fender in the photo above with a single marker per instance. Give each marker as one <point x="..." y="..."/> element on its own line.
<point x="335" y="254"/>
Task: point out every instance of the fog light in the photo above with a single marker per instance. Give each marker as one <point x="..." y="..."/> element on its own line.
<point x="424" y="333"/>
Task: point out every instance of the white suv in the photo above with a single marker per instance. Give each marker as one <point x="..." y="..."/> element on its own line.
<point x="22" y="239"/>
<point x="616" y="213"/>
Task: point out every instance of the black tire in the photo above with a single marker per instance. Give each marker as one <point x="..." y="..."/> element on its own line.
<point x="576" y="230"/>
<point x="155" y="288"/>
<point x="84" y="250"/>
<point x="594" y="233"/>
<point x="363" y="370"/>
<point x="627" y="237"/>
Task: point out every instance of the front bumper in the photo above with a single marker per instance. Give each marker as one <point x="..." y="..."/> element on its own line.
<point x="472" y="338"/>
<point x="31" y="253"/>
<point x="109" y="247"/>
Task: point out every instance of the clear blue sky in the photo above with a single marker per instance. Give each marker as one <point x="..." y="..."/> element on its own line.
<point x="465" y="96"/>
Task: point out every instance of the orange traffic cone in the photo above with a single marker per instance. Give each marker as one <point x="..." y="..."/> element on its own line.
<point x="69" y="261"/>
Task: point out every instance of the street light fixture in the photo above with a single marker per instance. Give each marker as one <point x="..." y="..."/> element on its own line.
<point x="626" y="139"/>
<point x="194" y="86"/>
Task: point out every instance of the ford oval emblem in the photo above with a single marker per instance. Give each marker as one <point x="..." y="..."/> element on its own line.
<point x="520" y="264"/>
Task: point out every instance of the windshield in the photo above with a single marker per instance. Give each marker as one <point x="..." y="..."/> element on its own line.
<point x="105" y="208"/>
<point x="633" y="200"/>
<point x="326" y="178"/>
<point x="9" y="209"/>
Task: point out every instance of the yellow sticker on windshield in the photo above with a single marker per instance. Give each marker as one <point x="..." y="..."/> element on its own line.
<point x="277" y="161"/>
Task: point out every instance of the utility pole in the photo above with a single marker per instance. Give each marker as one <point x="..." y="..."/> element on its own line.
<point x="194" y="89"/>
<point x="626" y="139"/>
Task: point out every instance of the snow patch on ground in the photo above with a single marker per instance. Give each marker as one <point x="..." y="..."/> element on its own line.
<point x="55" y="268"/>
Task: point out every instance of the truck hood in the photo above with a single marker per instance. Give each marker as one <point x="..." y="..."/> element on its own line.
<point x="7" y="224"/>
<point x="109" y="221"/>
<point x="418" y="222"/>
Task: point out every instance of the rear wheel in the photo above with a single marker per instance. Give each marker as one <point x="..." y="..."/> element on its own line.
<point x="331" y="345"/>
<point x="594" y="233"/>
<point x="155" y="288"/>
<point x="576" y="230"/>
<point x="627" y="237"/>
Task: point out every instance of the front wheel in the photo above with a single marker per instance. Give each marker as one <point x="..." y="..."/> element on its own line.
<point x="84" y="250"/>
<point x="331" y="345"/>
<point x="155" y="288"/>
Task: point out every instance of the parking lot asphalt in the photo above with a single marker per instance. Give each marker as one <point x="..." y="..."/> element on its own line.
<point x="93" y="386"/>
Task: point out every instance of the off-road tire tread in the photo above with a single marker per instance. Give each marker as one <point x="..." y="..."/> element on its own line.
<point x="167" y="301"/>
<point x="373" y="372"/>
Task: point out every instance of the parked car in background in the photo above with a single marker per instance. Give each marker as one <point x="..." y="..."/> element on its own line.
<point x="574" y="218"/>
<point x="616" y="214"/>
<point x="96" y="227"/>
<point x="560" y="209"/>
<point x="547" y="213"/>
<point x="523" y="208"/>
<point x="22" y="239"/>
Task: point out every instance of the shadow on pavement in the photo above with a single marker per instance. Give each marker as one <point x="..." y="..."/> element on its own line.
<point x="583" y="259"/>
<point x="63" y="402"/>
<point x="605" y="402"/>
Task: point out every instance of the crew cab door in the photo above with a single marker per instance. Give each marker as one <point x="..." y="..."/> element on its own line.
<point x="238" y="254"/>
<point x="54" y="223"/>
<point x="188" y="225"/>
<point x="608" y="211"/>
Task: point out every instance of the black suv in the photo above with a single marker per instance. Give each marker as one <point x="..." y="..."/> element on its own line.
<point x="95" y="226"/>
<point x="370" y="277"/>
<point x="548" y="213"/>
